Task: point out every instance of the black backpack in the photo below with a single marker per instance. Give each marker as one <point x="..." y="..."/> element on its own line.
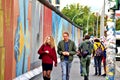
<point x="86" y="52"/>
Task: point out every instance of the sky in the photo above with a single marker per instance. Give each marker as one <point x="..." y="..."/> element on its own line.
<point x="95" y="5"/>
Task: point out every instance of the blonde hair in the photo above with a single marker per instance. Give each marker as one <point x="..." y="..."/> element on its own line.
<point x="52" y="43"/>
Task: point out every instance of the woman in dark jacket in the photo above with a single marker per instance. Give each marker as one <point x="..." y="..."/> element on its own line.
<point x="48" y="55"/>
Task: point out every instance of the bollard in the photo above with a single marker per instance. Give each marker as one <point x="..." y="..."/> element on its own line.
<point x="111" y="44"/>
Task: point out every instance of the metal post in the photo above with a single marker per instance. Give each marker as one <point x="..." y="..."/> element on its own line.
<point x="111" y="44"/>
<point x="88" y="22"/>
<point x="97" y="26"/>
<point x="93" y="28"/>
<point x="102" y="21"/>
<point x="77" y="15"/>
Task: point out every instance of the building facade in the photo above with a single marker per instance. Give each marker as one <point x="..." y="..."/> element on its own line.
<point x="56" y="3"/>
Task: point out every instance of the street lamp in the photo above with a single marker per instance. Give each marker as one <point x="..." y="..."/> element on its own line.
<point x="88" y="22"/>
<point x="77" y="15"/>
<point x="74" y="18"/>
<point x="97" y="26"/>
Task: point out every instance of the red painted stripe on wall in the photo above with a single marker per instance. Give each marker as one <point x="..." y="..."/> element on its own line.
<point x="30" y="27"/>
<point x="8" y="37"/>
<point x="47" y="26"/>
<point x="15" y="19"/>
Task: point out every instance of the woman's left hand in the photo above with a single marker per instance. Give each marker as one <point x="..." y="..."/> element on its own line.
<point x="46" y="51"/>
<point x="55" y="64"/>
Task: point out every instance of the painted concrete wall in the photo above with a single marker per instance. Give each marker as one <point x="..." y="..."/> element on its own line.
<point x="47" y="24"/>
<point x="37" y="32"/>
<point x="2" y="48"/>
<point x="24" y="25"/>
<point x="7" y="7"/>
<point x="22" y="39"/>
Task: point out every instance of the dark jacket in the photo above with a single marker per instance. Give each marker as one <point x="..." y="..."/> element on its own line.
<point x="48" y="57"/>
<point x="86" y="45"/>
<point x="72" y="50"/>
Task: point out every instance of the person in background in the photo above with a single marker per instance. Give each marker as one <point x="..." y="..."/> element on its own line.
<point x="48" y="55"/>
<point x="85" y="48"/>
<point x="104" y="58"/>
<point x="79" y="56"/>
<point x="98" y="53"/>
<point x="66" y="49"/>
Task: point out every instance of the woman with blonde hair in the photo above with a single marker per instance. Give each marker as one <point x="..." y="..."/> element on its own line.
<point x="48" y="55"/>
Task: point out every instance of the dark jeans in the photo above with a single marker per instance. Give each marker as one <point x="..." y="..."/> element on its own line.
<point x="98" y="60"/>
<point x="80" y="66"/>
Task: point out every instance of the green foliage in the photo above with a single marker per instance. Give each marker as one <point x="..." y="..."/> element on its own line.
<point x="118" y="24"/>
<point x="79" y="15"/>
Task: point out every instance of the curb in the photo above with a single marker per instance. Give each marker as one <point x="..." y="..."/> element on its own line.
<point x="31" y="74"/>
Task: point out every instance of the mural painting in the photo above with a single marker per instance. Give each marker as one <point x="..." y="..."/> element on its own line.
<point x="22" y="39"/>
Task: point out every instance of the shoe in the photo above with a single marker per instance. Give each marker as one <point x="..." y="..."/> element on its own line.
<point x="104" y="75"/>
<point x="85" y="77"/>
<point x="99" y="74"/>
<point x="95" y="74"/>
<point x="44" y="78"/>
<point x="81" y="74"/>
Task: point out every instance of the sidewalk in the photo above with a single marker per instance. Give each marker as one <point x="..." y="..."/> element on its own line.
<point x="117" y="73"/>
<point x="74" y="75"/>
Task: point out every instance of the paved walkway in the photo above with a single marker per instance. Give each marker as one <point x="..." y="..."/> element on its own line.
<point x="74" y="75"/>
<point x="117" y="73"/>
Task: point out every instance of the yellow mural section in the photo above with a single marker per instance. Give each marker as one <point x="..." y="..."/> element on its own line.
<point x="0" y="4"/>
<point x="2" y="49"/>
<point x="21" y="41"/>
<point x="2" y="65"/>
<point x="1" y="28"/>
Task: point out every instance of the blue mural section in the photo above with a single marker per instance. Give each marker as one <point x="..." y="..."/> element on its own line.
<point x="73" y="32"/>
<point x="22" y="39"/>
<point x="76" y="36"/>
<point x="27" y="37"/>
<point x="56" y="27"/>
<point x="65" y="24"/>
<point x="60" y="25"/>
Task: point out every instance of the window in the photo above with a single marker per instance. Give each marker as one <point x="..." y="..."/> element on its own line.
<point x="49" y="1"/>
<point x="57" y="1"/>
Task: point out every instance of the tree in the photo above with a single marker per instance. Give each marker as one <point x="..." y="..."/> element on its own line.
<point x="118" y="24"/>
<point x="79" y="14"/>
